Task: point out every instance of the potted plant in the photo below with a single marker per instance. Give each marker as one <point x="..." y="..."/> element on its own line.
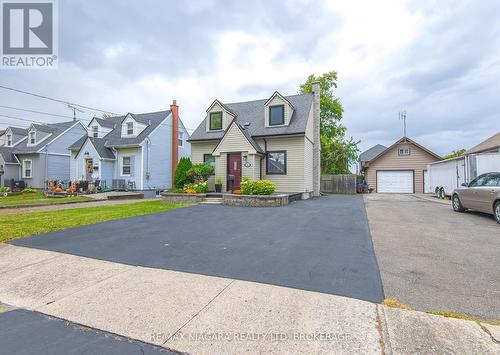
<point x="218" y="185"/>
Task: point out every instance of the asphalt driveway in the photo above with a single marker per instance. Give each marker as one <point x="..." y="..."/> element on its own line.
<point x="432" y="258"/>
<point x="319" y="245"/>
<point x="27" y="332"/>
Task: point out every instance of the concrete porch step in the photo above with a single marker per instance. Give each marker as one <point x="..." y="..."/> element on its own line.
<point x="211" y="201"/>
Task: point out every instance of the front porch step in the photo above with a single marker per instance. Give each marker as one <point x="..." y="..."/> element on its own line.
<point x="211" y="201"/>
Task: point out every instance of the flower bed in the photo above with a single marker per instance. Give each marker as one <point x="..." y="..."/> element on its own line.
<point x="277" y="200"/>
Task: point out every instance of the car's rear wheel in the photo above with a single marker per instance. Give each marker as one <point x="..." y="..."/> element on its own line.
<point x="457" y="205"/>
<point x="496" y="211"/>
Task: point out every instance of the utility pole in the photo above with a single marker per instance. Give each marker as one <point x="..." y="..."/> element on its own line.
<point x="402" y="117"/>
<point x="74" y="109"/>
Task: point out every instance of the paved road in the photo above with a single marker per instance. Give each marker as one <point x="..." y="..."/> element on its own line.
<point x="432" y="258"/>
<point x="27" y="332"/>
<point x="319" y="245"/>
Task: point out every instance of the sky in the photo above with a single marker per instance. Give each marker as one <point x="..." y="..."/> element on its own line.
<point x="437" y="60"/>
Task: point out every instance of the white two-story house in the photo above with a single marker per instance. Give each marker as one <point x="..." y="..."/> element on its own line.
<point x="134" y="151"/>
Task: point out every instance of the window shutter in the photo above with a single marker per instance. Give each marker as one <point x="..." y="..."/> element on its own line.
<point x="132" y="165"/>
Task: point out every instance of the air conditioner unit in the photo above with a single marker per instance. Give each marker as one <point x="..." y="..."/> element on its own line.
<point x="118" y="184"/>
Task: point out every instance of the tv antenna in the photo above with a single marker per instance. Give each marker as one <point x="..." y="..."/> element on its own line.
<point x="74" y="108"/>
<point x="402" y="117"/>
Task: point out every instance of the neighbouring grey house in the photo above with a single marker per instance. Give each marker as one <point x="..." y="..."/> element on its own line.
<point x="369" y="154"/>
<point x="276" y="138"/>
<point x="134" y="151"/>
<point x="39" y="152"/>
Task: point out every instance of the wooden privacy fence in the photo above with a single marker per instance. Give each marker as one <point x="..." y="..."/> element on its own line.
<point x="338" y="184"/>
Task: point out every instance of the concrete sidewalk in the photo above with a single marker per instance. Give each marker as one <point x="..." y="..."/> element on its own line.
<point x="203" y="314"/>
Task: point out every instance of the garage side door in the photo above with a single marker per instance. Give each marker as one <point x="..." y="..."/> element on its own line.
<point x="397" y="181"/>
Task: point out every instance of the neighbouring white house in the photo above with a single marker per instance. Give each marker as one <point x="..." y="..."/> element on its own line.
<point x="276" y="138"/>
<point x="134" y="151"/>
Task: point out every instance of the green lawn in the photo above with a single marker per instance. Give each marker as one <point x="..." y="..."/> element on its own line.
<point x="30" y="223"/>
<point x="38" y="198"/>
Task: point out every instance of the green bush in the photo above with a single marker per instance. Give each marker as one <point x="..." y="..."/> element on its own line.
<point x="257" y="187"/>
<point x="29" y="190"/>
<point x="4" y="189"/>
<point x="181" y="177"/>
<point x="200" y="172"/>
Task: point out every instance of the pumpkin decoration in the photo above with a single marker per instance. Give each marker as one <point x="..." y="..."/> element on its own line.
<point x="68" y="190"/>
<point x="58" y="189"/>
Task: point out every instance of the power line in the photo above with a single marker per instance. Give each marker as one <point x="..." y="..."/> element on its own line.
<point x="34" y="111"/>
<point x="23" y="119"/>
<point x="56" y="100"/>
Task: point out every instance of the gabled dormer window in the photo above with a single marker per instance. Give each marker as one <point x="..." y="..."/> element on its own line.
<point x="95" y="131"/>
<point x="276" y="115"/>
<point x="9" y="140"/>
<point x="215" y="121"/>
<point x="32" y="138"/>
<point x="130" y="128"/>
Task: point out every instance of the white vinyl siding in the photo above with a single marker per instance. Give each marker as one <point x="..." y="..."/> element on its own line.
<point x="234" y="141"/>
<point x="293" y="181"/>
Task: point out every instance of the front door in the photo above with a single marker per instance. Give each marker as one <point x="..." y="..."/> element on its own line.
<point x="233" y="171"/>
<point x="89" y="169"/>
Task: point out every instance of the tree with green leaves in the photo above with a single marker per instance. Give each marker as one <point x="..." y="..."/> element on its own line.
<point x="455" y="154"/>
<point x="337" y="153"/>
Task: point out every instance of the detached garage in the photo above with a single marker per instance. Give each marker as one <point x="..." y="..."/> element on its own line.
<point x="399" y="168"/>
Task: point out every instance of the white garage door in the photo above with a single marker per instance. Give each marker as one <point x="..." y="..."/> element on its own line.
<point x="395" y="181"/>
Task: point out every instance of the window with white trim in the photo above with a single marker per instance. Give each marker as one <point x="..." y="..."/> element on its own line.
<point x="32" y="138"/>
<point x="181" y="139"/>
<point x="404" y="151"/>
<point x="95" y="131"/>
<point x="130" y="128"/>
<point x="27" y="168"/>
<point x="126" y="166"/>
<point x="9" y="140"/>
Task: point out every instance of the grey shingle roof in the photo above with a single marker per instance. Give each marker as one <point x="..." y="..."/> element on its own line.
<point x="250" y="139"/>
<point x="253" y="113"/>
<point x="114" y="138"/>
<point x="152" y="119"/>
<point x="19" y="131"/>
<point x="55" y="129"/>
<point x="8" y="156"/>
<point x="99" y="145"/>
<point x="371" y="153"/>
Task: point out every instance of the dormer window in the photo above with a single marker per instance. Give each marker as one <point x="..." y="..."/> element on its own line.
<point x="276" y="115"/>
<point x="9" y="140"/>
<point x="130" y="128"/>
<point x="95" y="131"/>
<point x="32" y="138"/>
<point x="215" y="121"/>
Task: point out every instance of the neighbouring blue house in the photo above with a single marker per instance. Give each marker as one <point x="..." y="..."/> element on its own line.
<point x="38" y="153"/>
<point x="134" y="151"/>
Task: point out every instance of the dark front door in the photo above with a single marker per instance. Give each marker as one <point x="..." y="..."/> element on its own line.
<point x="233" y="171"/>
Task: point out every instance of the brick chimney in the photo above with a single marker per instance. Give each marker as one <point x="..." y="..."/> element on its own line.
<point x="317" y="141"/>
<point x="175" y="137"/>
